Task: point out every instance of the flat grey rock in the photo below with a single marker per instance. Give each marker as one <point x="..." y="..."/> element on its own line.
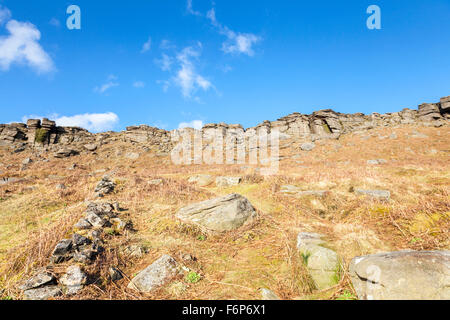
<point x="43" y="293"/>
<point x="156" y="275"/>
<point x="403" y="275"/>
<point x="221" y="214"/>
<point x="377" y="194"/>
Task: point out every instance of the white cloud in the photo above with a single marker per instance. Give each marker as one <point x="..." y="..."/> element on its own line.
<point x="94" y="122"/>
<point x="111" y="83"/>
<point x="139" y="84"/>
<point x="146" y="47"/>
<point x="166" y="45"/>
<point x="186" y="77"/>
<point x="237" y="42"/>
<point x="165" y="62"/>
<point x="190" y="9"/>
<point x="54" y="22"/>
<point x="196" y="124"/>
<point x="22" y="46"/>
<point x="5" y="14"/>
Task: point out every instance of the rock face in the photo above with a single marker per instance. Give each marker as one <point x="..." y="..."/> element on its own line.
<point x="156" y="275"/>
<point x="323" y="124"/>
<point x="404" y="275"/>
<point x="220" y="214"/>
<point x="322" y="263"/>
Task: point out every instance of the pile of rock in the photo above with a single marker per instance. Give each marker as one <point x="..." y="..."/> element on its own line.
<point x="104" y="187"/>
<point x="85" y="245"/>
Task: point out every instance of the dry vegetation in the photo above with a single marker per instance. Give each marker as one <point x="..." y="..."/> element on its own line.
<point x="34" y="214"/>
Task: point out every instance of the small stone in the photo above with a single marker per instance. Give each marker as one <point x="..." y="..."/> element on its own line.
<point x="115" y="274"/>
<point x="228" y="181"/>
<point x="132" y="156"/>
<point x="60" y="186"/>
<point x="73" y="279"/>
<point x="267" y="294"/>
<point x="83" y="224"/>
<point x="309" y="146"/>
<point x="40" y="279"/>
<point x="377" y="194"/>
<point x="62" y="247"/>
<point x="79" y="240"/>
<point x="27" y="161"/>
<point x="95" y="220"/>
<point x="155" y="182"/>
<point x="43" y="293"/>
<point x="90" y="147"/>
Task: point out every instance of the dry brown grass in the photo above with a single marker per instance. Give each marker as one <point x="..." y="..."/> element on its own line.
<point x="237" y="264"/>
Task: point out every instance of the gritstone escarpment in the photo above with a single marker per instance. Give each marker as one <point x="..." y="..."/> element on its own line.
<point x="325" y="124"/>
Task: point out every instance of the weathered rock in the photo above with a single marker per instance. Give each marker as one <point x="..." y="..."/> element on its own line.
<point x="62" y="247"/>
<point x="220" y="214"/>
<point x="404" y="275"/>
<point x="202" y="180"/>
<point x="267" y="294"/>
<point x="105" y="186"/>
<point x="228" y="181"/>
<point x="90" y="147"/>
<point x="298" y="192"/>
<point x="83" y="224"/>
<point x="132" y="156"/>
<point x="95" y="220"/>
<point x="27" y="161"/>
<point x="65" y="153"/>
<point x="322" y="263"/>
<point x="43" y="293"/>
<point x="40" y="279"/>
<point x="73" y="280"/>
<point x="161" y="272"/>
<point x="376" y="162"/>
<point x="309" y="146"/>
<point x="79" y="240"/>
<point x="115" y="274"/>
<point x="376" y="194"/>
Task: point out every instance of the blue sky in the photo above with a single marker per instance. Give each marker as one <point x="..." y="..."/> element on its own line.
<point x="164" y="63"/>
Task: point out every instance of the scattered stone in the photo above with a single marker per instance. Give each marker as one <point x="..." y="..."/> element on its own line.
<point x="161" y="272"/>
<point x="296" y="191"/>
<point x="43" y="293"/>
<point x="27" y="161"/>
<point x="40" y="279"/>
<point x="132" y="156"/>
<point x="65" y="153"/>
<point x="135" y="251"/>
<point x="118" y="224"/>
<point x="60" y="186"/>
<point x="155" y="182"/>
<point x="228" y="181"/>
<point x="309" y="146"/>
<point x="220" y="214"/>
<point x="376" y="162"/>
<point x="267" y="294"/>
<point x="202" y="180"/>
<point x="115" y="274"/>
<point x="74" y="279"/>
<point x="377" y="194"/>
<point x="90" y="147"/>
<point x="403" y="275"/>
<point x="322" y="263"/>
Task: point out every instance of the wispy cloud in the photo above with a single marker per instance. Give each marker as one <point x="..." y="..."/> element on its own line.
<point x="94" y="122"/>
<point x="185" y="75"/>
<point x="5" y="14"/>
<point x="166" y="45"/>
<point x="139" y="84"/>
<point x="165" y="62"/>
<point x="55" y="22"/>
<point x="196" y="124"/>
<point x="147" y="45"/>
<point x="111" y="83"/>
<point x="22" y="46"/>
<point x="237" y="43"/>
<point x="190" y="9"/>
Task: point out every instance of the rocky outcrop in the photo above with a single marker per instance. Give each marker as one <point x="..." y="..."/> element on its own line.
<point x="220" y="214"/>
<point x="323" y="124"/>
<point x="404" y="275"/>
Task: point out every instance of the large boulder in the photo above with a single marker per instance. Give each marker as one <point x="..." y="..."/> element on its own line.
<point x="220" y="214"/>
<point x="156" y="275"/>
<point x="322" y="263"/>
<point x="404" y="275"/>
